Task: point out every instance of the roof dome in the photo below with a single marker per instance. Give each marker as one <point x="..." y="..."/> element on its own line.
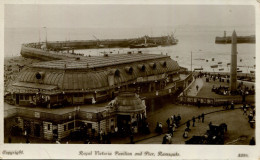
<point x="128" y="102"/>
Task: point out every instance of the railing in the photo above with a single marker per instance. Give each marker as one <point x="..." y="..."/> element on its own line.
<point x="10" y="112"/>
<point x="208" y="101"/>
<point x="189" y="85"/>
<point x="212" y="101"/>
<point x="59" y="118"/>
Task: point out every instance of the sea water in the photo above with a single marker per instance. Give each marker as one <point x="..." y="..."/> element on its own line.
<point x="195" y="41"/>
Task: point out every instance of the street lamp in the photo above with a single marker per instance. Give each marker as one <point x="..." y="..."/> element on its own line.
<point x="75" y="110"/>
<point x="45" y="28"/>
<point x="191" y="62"/>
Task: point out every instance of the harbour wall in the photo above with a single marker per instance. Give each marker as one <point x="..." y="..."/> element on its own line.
<point x="44" y="55"/>
<point x="240" y="39"/>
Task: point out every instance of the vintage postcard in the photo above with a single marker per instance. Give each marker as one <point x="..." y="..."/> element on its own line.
<point x="129" y="80"/>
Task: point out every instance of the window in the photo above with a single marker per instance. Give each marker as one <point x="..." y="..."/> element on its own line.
<point x="78" y="95"/>
<point x="49" y="127"/>
<point x="71" y="125"/>
<point x="65" y="127"/>
<point x="21" y="97"/>
<point x="26" y="97"/>
<point x="16" y="120"/>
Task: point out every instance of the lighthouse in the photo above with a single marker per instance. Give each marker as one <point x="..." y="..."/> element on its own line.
<point x="233" y="69"/>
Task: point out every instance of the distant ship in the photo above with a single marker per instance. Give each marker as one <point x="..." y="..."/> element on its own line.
<point x="143" y="45"/>
<point x="240" y="39"/>
<point x="154" y="42"/>
<point x="214" y="66"/>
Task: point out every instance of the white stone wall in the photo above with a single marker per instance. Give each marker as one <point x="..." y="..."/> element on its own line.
<point x="47" y="134"/>
<point x="61" y="132"/>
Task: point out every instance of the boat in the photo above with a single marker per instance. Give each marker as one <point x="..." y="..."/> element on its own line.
<point x="143" y="45"/>
<point x="228" y="63"/>
<point x="252" y="71"/>
<point x="239" y="71"/>
<point x="214" y="66"/>
<point x="219" y="62"/>
<point x="198" y="69"/>
<point x="221" y="69"/>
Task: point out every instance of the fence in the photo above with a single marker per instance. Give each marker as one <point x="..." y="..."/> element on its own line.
<point x="209" y="101"/>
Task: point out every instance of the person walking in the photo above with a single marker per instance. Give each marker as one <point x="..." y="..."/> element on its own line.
<point x="160" y="128"/>
<point x="210" y="124"/>
<point x="232" y="105"/>
<point x="147" y="129"/>
<point x="170" y="129"/>
<point x="168" y="122"/>
<point x="185" y="134"/>
<point x="179" y="118"/>
<point x="132" y="139"/>
<point x="193" y="120"/>
<point x="197" y="87"/>
<point x="174" y="126"/>
<point x="164" y="139"/>
<point x="252" y="141"/>
<point x="202" y="117"/>
<point x="199" y="118"/>
<point x="198" y="103"/>
<point x="188" y="124"/>
<point x="226" y="105"/>
<point x="116" y="131"/>
<point x="245" y="111"/>
<point x="157" y="127"/>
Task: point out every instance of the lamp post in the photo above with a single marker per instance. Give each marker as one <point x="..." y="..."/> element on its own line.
<point x="39" y="36"/>
<point x="45" y="28"/>
<point x="75" y="111"/>
<point x="191" y="62"/>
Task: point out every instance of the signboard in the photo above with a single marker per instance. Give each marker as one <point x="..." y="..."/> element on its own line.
<point x="151" y="78"/>
<point x="89" y="115"/>
<point x="140" y="79"/>
<point x="37" y="114"/>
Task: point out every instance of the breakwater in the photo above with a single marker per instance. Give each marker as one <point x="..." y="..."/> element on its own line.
<point x="240" y="39"/>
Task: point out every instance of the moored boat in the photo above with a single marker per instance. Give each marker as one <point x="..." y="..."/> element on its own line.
<point x="214" y="66"/>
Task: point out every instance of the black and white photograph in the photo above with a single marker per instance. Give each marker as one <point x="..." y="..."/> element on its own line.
<point x="133" y="74"/>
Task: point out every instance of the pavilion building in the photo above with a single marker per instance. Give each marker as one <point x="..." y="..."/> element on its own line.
<point x="46" y="94"/>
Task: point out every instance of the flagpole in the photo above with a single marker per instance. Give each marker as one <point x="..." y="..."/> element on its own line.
<point x="191" y="61"/>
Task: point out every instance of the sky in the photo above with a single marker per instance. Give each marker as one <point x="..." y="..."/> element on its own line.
<point x="126" y="16"/>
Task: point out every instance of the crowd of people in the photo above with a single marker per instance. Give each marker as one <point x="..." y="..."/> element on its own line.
<point x="173" y="123"/>
<point x="249" y="111"/>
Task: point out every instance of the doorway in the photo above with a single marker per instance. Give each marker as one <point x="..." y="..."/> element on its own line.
<point x="37" y="130"/>
<point x="17" y="98"/>
<point x="123" y="124"/>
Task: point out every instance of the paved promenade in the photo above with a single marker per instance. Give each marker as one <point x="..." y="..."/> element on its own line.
<point x="193" y="90"/>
